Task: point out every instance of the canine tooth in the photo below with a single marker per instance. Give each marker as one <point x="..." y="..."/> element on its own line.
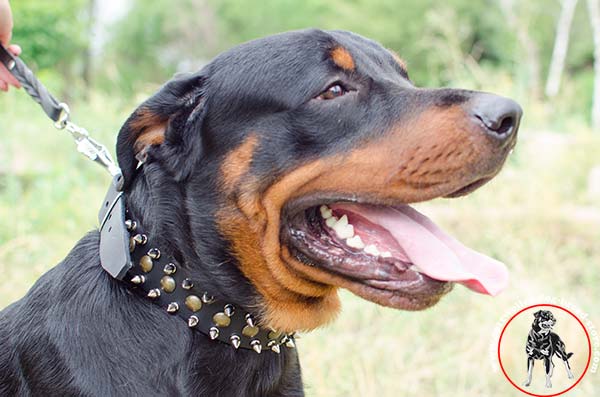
<point x="343" y="221"/>
<point x="386" y="254"/>
<point x="355" y="242"/>
<point x="326" y="212"/>
<point x="343" y="229"/>
<point x="371" y="250"/>
<point x="331" y="221"/>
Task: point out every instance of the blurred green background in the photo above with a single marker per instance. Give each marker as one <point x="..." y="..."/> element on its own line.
<point x="541" y="215"/>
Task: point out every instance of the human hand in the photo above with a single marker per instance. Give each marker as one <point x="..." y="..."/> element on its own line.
<point x="6" y="25"/>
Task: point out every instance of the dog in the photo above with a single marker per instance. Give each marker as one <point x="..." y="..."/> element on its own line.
<point x="543" y="344"/>
<point x="253" y="190"/>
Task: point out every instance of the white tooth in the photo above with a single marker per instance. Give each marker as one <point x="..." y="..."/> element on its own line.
<point x="343" y="231"/>
<point x="343" y="221"/>
<point x="355" y="242"/>
<point x="414" y="268"/>
<point x="326" y="212"/>
<point x="386" y="254"/>
<point x="331" y="221"/>
<point x="371" y="250"/>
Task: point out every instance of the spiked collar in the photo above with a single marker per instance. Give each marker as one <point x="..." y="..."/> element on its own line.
<point x="129" y="255"/>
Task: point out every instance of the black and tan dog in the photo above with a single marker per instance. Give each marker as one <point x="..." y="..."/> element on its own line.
<point x="272" y="177"/>
<point x="543" y="344"/>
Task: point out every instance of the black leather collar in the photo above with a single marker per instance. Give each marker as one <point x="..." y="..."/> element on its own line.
<point x="128" y="254"/>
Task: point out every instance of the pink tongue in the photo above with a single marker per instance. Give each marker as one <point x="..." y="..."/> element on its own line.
<point x="435" y="253"/>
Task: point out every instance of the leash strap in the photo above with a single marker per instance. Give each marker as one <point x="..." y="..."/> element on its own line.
<point x="58" y="112"/>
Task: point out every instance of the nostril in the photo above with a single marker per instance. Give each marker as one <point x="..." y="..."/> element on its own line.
<point x="505" y="126"/>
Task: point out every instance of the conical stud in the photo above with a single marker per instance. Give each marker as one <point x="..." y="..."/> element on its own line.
<point x="290" y="343"/>
<point x="187" y="284"/>
<point x="140" y="239"/>
<point x="130" y="225"/>
<point x="213" y="332"/>
<point x="170" y="268"/>
<point x="235" y="341"/>
<point x="193" y="321"/>
<point x="154" y="293"/>
<point x="154" y="253"/>
<point x="173" y="307"/>
<point x="208" y="299"/>
<point x="274" y="347"/>
<point x="249" y="320"/>
<point x="229" y="309"/>
<point x="256" y="346"/>
<point x="138" y="279"/>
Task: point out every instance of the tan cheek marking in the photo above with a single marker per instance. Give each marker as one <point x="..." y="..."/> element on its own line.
<point x="342" y="58"/>
<point x="237" y="163"/>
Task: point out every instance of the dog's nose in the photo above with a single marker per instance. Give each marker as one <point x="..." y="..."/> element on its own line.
<point x="499" y="116"/>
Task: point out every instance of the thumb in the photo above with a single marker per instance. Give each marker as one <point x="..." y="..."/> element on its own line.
<point x="6" y="23"/>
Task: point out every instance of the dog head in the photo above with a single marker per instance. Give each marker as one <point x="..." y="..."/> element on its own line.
<point x="283" y="170"/>
<point x="544" y="321"/>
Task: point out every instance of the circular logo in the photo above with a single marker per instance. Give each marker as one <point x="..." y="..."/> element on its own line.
<point x="544" y="350"/>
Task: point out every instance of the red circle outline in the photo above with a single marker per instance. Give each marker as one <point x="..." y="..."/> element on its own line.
<point x="584" y="330"/>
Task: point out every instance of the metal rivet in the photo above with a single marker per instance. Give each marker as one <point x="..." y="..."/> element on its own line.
<point x="140" y="239"/>
<point x="193" y="321"/>
<point x="173" y="307"/>
<point x="146" y="264"/>
<point x="168" y="283"/>
<point x="249" y="331"/>
<point x="221" y="319"/>
<point x="187" y="284"/>
<point x="235" y="341"/>
<point x="274" y="346"/>
<point x="290" y="343"/>
<point x="229" y="309"/>
<point x="274" y="334"/>
<point x="138" y="279"/>
<point x="256" y="346"/>
<point x="131" y="245"/>
<point x="154" y="293"/>
<point x="249" y="320"/>
<point x="208" y="299"/>
<point x="130" y="225"/>
<point x="154" y="253"/>
<point x="170" y="268"/>
<point x="193" y="303"/>
<point x="213" y="332"/>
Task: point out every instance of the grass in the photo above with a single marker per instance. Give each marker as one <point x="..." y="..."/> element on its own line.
<point x="536" y="216"/>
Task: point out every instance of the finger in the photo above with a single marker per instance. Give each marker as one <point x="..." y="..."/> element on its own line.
<point x="3" y="86"/>
<point x="15" y="49"/>
<point x="7" y="78"/>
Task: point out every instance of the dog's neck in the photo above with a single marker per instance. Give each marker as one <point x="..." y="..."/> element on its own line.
<point x="181" y="276"/>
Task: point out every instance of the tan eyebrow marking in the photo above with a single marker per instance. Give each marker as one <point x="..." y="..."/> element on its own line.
<point x="342" y="58"/>
<point x="399" y="60"/>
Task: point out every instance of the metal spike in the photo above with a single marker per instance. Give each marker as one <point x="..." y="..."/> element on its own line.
<point x="290" y="343"/>
<point x="170" y="268"/>
<point x="249" y="320"/>
<point x="229" y="309"/>
<point x="130" y="225"/>
<point x="187" y="284"/>
<point x="193" y="321"/>
<point x="154" y="293"/>
<point x="154" y="253"/>
<point x="256" y="346"/>
<point x="276" y="348"/>
<point x="213" y="332"/>
<point x="208" y="299"/>
<point x="140" y="239"/>
<point x="235" y="341"/>
<point x="139" y="279"/>
<point x="173" y="307"/>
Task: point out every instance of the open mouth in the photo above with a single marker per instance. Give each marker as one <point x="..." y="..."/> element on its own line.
<point x="392" y="255"/>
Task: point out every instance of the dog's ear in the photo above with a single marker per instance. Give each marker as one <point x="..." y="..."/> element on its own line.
<point x="537" y="314"/>
<point x="165" y="121"/>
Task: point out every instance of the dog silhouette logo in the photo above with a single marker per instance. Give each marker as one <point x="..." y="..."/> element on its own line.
<point x="543" y="344"/>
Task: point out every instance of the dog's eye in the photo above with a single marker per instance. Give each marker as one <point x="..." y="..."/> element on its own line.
<point x="333" y="91"/>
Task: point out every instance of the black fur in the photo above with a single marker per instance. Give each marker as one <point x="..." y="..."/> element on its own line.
<point x="79" y="332"/>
